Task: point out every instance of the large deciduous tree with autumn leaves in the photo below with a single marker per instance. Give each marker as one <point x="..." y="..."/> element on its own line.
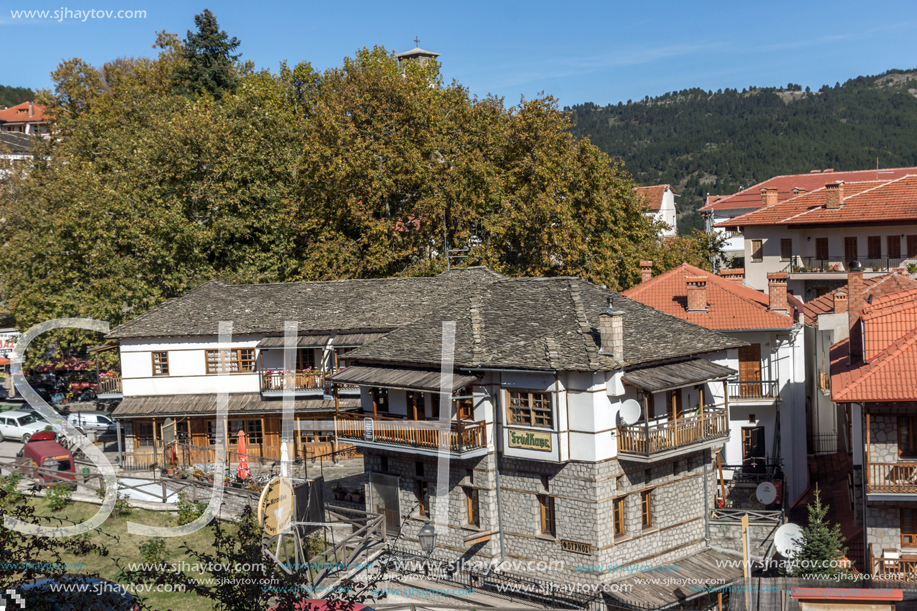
<point x="153" y="185"/>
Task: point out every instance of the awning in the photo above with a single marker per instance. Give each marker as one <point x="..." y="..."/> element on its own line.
<point x="411" y="378"/>
<point x="677" y="375"/>
<point x="303" y="341"/>
<point x="690" y="578"/>
<point x="239" y="403"/>
<point x="104" y="348"/>
<point x="352" y="340"/>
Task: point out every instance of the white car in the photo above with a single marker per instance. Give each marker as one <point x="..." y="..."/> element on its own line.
<point x="92" y="421"/>
<point x="20" y="425"/>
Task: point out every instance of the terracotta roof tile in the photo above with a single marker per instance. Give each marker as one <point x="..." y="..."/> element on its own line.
<point x="890" y="376"/>
<point x="751" y="197"/>
<point x="730" y="305"/>
<point x="886" y="320"/>
<point x="15" y="114"/>
<point x="653" y="195"/>
<point x="882" y="285"/>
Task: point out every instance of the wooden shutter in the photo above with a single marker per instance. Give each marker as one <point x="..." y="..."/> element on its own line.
<point x="894" y="247"/>
<point x="874" y="246"/>
<point x="912" y="245"/>
<point x="786" y="249"/>
<point x="750" y="370"/>
<point x="757" y="253"/>
<point x="821" y="248"/>
<point x="850" y="249"/>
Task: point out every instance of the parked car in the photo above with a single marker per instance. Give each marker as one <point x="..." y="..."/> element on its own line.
<point x="100" y="422"/>
<point x="48" y="455"/>
<point x="19" y="425"/>
<point x="81" y="594"/>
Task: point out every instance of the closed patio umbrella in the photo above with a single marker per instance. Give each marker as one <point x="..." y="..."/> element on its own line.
<point x="244" y="472"/>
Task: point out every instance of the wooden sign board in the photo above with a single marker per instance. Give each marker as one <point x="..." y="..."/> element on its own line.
<point x="275" y="507"/>
<point x="576" y="548"/>
<point x="368" y="429"/>
<point x="529" y="440"/>
<point x="168" y="431"/>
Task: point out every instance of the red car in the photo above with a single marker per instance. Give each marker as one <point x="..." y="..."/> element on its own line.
<point x="50" y="456"/>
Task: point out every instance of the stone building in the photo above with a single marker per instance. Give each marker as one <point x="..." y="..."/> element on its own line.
<point x="543" y="465"/>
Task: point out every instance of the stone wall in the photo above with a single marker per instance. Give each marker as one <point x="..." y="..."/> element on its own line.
<point x="728" y="535"/>
<point x="883" y="529"/>
<point x="883" y="438"/>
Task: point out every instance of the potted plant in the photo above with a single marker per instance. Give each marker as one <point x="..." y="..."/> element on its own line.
<point x="912" y="268"/>
<point x="209" y="477"/>
<point x="170" y="468"/>
<point x="875" y="268"/>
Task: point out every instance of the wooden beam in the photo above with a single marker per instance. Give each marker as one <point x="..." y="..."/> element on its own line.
<point x="719" y="466"/>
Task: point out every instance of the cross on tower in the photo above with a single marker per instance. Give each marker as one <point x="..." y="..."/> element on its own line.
<point x="416" y="41"/>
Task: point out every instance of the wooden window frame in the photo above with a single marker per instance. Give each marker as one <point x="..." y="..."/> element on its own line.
<point x="893" y="246"/>
<point x="218" y="365"/>
<point x="786" y="249"/>
<point x="646" y="509"/>
<point x="911" y="246"/>
<point x="162" y="363"/>
<point x="309" y="434"/>
<point x="464" y="408"/>
<point x="254" y="432"/>
<point x="416" y="405"/>
<point x="523" y="405"/>
<point x="617" y="508"/>
<point x="822" y="251"/>
<point x="303" y="355"/>
<point x="548" y="515"/>
<point x="908" y="530"/>
<point x="848" y="241"/>
<point x="756" y="254"/>
<point x="908" y="423"/>
<point x="376" y="395"/>
<point x="874" y="247"/>
<point x="473" y="506"/>
<point x="211" y="432"/>
<point x="142" y="435"/>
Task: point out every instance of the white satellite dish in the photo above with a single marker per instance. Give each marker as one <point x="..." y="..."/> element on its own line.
<point x="630" y="412"/>
<point x="787" y="540"/>
<point x="766" y="493"/>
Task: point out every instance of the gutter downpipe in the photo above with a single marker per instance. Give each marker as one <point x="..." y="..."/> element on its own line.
<point x="707" y="501"/>
<point x="498" y="412"/>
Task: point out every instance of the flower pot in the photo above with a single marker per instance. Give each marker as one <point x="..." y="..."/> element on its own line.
<point x="170" y="471"/>
<point x="209" y="481"/>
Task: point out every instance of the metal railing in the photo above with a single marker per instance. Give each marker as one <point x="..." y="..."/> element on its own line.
<point x="462" y="436"/>
<point x="747" y="390"/>
<point x="646" y="439"/>
<point x="823" y="443"/>
<point x="801" y="265"/>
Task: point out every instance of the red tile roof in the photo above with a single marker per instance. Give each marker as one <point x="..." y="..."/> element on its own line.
<point x="731" y="306"/>
<point x="653" y="195"/>
<point x="863" y="202"/>
<point x="751" y="197"/>
<point x="887" y="319"/>
<point x="885" y="284"/>
<point x="20" y="114"/>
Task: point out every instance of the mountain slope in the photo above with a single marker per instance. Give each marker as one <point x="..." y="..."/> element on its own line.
<point x="703" y="142"/>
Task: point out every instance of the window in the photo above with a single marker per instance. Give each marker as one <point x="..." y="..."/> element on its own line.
<point x="309" y="434"/>
<point x="907" y="444"/>
<point x="383" y="464"/>
<point x="786" y="249"/>
<point x="416" y="405"/>
<point x="233" y="361"/>
<point x="380" y="400"/>
<point x="530" y="408"/>
<point x="646" y="508"/>
<point x="912" y="246"/>
<point x="893" y="247"/>
<point x="874" y="246"/>
<point x="233" y="428"/>
<point x="757" y="253"/>
<point x="160" y="363"/>
<point x="418" y="469"/>
<point x="821" y="248"/>
<point x="548" y="525"/>
<point x="212" y="432"/>
<point x="851" y="252"/>
<point x="305" y="359"/>
<point x="342" y="361"/>
<point x="908" y="527"/>
<point x="255" y="434"/>
<point x="647" y="477"/>
<point x="422" y="491"/>
<point x="144" y="434"/>
<point x="474" y="513"/>
<point x="464" y="408"/>
<point x="618" y="510"/>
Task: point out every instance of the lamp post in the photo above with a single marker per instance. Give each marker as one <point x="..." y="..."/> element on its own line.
<point x="427" y="537"/>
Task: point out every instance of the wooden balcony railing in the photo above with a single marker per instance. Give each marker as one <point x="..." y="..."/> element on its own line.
<point x="296" y="381"/>
<point x="892" y="477"/>
<point x="752" y="390"/>
<point x="110" y="386"/>
<point x="903" y="568"/>
<point x="645" y="440"/>
<point x="462" y="436"/>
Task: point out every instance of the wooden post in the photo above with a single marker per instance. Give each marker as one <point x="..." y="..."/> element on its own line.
<point x="868" y="482"/>
<point x="746" y="571"/>
<point x="719" y="601"/>
<point x="719" y="466"/>
<point x="646" y="426"/>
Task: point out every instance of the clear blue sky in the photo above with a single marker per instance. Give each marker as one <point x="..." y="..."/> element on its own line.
<point x="601" y="52"/>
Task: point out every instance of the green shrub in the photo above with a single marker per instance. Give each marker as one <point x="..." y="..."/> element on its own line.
<point x="122" y="505"/>
<point x="153" y="551"/>
<point x="188" y="511"/>
<point x="9" y="489"/>
<point x="59" y="496"/>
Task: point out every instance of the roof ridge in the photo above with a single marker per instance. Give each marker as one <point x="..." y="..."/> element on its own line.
<point x="586" y="330"/>
<point x="884" y="184"/>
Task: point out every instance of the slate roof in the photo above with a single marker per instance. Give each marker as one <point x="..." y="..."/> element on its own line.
<point x="677" y="375"/>
<point x="751" y="197"/>
<point x="885" y="284"/>
<point x="353" y="305"/>
<point x="652" y="196"/>
<point x="239" y="403"/>
<point x="16" y="143"/>
<point x="542" y="324"/>
<point x="730" y="305"/>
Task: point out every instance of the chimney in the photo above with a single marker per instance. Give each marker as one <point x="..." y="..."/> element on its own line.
<point x="840" y="301"/>
<point x="31" y="109"/>
<point x="797" y="191"/>
<point x="768" y="197"/>
<point x="776" y="292"/>
<point x="611" y="331"/>
<point x="646" y="270"/>
<point x="835" y="195"/>
<point x="697" y="293"/>
<point x="736" y="275"/>
<point x="854" y="306"/>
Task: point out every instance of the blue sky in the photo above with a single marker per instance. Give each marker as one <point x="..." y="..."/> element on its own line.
<point x="602" y="52"/>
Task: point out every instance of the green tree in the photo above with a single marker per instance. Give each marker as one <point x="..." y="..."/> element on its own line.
<point x="821" y="547"/>
<point x="209" y="65"/>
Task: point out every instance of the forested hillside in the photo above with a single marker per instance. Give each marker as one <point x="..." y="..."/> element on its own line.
<point x="704" y="142"/>
<point x="10" y="96"/>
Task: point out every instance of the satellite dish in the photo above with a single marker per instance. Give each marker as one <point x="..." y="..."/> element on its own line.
<point x="766" y="493"/>
<point x="630" y="412"/>
<point x="787" y="540"/>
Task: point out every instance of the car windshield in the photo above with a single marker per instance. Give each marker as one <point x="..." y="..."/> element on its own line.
<point x="103" y="420"/>
<point x="27" y="419"/>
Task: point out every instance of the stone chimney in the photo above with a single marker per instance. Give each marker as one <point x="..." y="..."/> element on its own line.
<point x="797" y="191"/>
<point x="835" y="195"/>
<point x="697" y="293"/>
<point x="611" y="331"/>
<point x="840" y="301"/>
<point x="736" y="275"/>
<point x="646" y="271"/>
<point x="768" y="197"/>
<point x="854" y="306"/>
<point x="776" y="292"/>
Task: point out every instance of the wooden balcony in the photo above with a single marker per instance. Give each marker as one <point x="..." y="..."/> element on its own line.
<point x="110" y="387"/>
<point x="903" y="568"/>
<point x="753" y="390"/>
<point x="298" y="381"/>
<point x="462" y="437"/>
<point x="646" y="441"/>
<point x="891" y="478"/>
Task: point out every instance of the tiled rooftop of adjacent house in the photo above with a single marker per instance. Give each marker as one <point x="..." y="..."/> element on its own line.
<point x="652" y="196"/>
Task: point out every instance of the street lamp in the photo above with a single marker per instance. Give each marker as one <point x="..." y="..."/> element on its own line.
<point x="427" y="537"/>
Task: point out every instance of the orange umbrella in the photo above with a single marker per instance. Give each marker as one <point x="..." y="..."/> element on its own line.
<point x="244" y="472"/>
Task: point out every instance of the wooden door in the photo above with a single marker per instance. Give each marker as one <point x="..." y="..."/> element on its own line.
<point x="850" y="250"/>
<point x="750" y="370"/>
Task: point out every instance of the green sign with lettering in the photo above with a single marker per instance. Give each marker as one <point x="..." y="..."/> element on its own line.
<point x="529" y="440"/>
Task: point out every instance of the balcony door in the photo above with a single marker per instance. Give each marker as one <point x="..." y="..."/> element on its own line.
<point x="850" y="249"/>
<point x="753" y="453"/>
<point x="750" y="370"/>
